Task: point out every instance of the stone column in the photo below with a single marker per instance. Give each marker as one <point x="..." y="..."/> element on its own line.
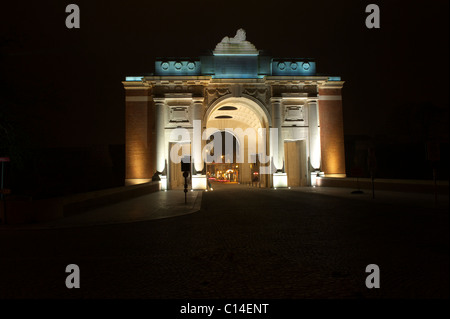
<point x="277" y="144"/>
<point x="331" y="129"/>
<point x="198" y="180"/>
<point x="160" y="124"/>
<point x="197" y="115"/>
<point x="314" y="135"/>
<point x="160" y="106"/>
<point x="314" y="141"/>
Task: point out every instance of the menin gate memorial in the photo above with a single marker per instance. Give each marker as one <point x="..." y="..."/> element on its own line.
<point x="296" y="114"/>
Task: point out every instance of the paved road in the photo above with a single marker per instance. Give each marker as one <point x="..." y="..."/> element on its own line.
<point x="243" y="243"/>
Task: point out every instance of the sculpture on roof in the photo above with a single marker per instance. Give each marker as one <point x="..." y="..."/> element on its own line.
<point x="239" y="37"/>
<point x="235" y="45"/>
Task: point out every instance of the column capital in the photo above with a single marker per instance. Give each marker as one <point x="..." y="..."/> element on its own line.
<point x="198" y="99"/>
<point x="275" y="100"/>
<point x="159" y="100"/>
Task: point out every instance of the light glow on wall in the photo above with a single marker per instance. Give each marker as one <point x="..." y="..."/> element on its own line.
<point x="238" y="76"/>
<point x="236" y="54"/>
<point x="137" y="167"/>
<point x="334" y="78"/>
<point x="133" y="78"/>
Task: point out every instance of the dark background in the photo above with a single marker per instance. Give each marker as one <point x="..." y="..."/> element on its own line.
<point x="62" y="102"/>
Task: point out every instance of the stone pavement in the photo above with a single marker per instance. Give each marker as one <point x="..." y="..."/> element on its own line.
<point x="383" y="196"/>
<point x="244" y="242"/>
<point x="171" y="203"/>
<point x="152" y="206"/>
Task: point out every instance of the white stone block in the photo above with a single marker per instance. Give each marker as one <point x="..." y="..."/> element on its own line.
<point x="163" y="183"/>
<point x="280" y="180"/>
<point x="199" y="182"/>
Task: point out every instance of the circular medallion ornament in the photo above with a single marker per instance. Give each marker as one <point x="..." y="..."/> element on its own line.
<point x="191" y="65"/>
<point x="165" y="65"/>
<point x="281" y="66"/>
<point x="306" y="66"/>
<point x="178" y="65"/>
<point x="294" y="66"/>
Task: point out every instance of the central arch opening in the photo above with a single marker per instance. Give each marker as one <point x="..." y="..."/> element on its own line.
<point x="226" y="170"/>
<point x="244" y="122"/>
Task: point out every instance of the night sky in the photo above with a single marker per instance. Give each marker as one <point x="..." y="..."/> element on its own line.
<point x="62" y="87"/>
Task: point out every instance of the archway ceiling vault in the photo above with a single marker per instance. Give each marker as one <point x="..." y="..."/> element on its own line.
<point x="243" y="117"/>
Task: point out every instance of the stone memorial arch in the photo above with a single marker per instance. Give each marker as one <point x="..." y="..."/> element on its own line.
<point x="286" y="119"/>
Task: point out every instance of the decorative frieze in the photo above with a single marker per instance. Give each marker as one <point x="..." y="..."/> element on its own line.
<point x="293" y="113"/>
<point x="260" y="93"/>
<point x="179" y="114"/>
<point x="212" y="94"/>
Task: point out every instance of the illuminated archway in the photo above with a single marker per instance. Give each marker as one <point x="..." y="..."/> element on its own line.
<point x="243" y="117"/>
